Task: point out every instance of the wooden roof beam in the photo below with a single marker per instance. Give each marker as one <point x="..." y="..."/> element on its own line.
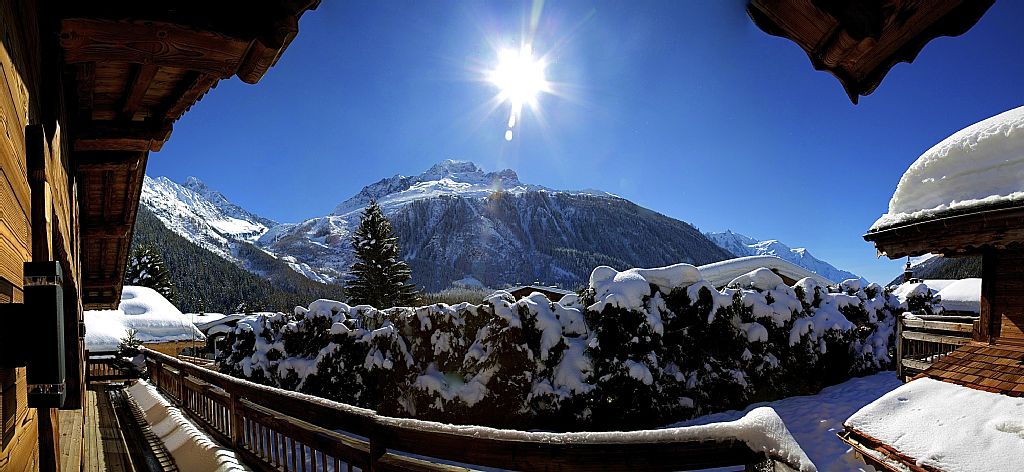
<point x="190" y="90"/>
<point x="89" y="161"/>
<point x="151" y="43"/>
<point x="121" y="136"/>
<point x="141" y="76"/>
<point x="85" y="80"/>
<point x="100" y="230"/>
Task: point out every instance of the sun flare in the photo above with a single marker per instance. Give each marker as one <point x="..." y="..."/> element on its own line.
<point x="519" y="76"/>
<point x="520" y="79"/>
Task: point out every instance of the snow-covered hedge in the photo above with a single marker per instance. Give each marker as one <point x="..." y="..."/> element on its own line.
<point x="638" y="348"/>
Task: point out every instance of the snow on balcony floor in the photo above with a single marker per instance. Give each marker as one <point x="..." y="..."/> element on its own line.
<point x="814" y="420"/>
<point x="947" y="426"/>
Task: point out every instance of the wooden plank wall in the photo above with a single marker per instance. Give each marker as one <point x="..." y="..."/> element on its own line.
<point x="1003" y="293"/>
<point x="31" y="138"/>
<point x="19" y="443"/>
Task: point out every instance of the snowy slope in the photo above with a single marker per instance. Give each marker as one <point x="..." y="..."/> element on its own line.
<point x="743" y="245"/>
<point x="200" y="214"/>
<point x="206" y="217"/>
<point x="456" y="221"/>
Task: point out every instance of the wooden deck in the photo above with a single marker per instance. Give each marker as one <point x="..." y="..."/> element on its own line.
<point x="90" y="438"/>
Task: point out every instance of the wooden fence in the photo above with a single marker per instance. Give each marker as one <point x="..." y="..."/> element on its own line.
<point x="272" y="429"/>
<point x="103" y="366"/>
<point x="922" y="340"/>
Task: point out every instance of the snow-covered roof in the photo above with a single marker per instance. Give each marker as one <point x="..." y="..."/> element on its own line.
<point x="961" y="295"/>
<point x="142" y="309"/>
<point x="721" y="273"/>
<point x="979" y="166"/>
<point x="938" y="284"/>
<point x="955" y="295"/>
<point x="943" y="426"/>
<point x="540" y="288"/>
<point x="209" y="321"/>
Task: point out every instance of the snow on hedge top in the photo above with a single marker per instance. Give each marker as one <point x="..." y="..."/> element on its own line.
<point x="980" y="165"/>
<point x="142" y="309"/>
<point x="943" y="426"/>
<point x="761" y="429"/>
<point x="628" y="288"/>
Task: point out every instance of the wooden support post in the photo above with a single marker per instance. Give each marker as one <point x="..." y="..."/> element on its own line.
<point x="899" y="347"/>
<point x="990" y="319"/>
<point x="49" y="443"/>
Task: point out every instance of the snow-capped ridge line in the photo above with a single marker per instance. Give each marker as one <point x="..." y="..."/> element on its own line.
<point x="448" y="177"/>
<point x="743" y="245"/>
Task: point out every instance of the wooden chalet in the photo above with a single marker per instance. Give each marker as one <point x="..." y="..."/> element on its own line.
<point x="87" y="91"/>
<point x="987" y="353"/>
<point x="860" y="41"/>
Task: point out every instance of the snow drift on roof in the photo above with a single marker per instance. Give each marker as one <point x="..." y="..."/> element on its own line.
<point x="962" y="295"/>
<point x="947" y="427"/>
<point x="142" y="309"/>
<point x="980" y="165"/>
<point x="721" y="273"/>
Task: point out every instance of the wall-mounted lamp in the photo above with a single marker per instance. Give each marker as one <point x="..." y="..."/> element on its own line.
<point x="35" y="338"/>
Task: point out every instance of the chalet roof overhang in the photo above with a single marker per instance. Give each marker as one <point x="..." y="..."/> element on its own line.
<point x="953" y="234"/>
<point x="132" y="68"/>
<point x="859" y="41"/>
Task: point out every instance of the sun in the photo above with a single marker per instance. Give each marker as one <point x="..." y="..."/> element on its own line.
<point x="519" y="77"/>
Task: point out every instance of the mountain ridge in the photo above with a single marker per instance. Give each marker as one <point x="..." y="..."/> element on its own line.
<point x="743" y="245"/>
<point x="454" y="220"/>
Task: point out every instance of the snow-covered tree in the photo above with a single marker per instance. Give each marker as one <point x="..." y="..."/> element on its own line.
<point x="147" y="269"/>
<point x="380" y="276"/>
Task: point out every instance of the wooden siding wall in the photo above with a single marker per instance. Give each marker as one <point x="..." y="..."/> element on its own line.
<point x="18" y="444"/>
<point x="1003" y="294"/>
<point x="38" y="216"/>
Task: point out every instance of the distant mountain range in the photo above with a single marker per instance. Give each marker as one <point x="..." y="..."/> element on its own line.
<point x="743" y="245"/>
<point x="454" y="221"/>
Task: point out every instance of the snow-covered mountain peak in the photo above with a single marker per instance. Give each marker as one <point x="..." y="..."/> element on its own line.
<point x="200" y="213"/>
<point x="448" y="177"/>
<point x="193" y="183"/>
<point x="743" y="245"/>
<point x="450" y="167"/>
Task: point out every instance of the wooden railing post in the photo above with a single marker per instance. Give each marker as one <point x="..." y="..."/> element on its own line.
<point x="237" y="438"/>
<point x="158" y="369"/>
<point x="181" y="387"/>
<point x="377" y="445"/>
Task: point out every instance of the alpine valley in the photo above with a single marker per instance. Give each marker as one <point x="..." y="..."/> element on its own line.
<point x="456" y="224"/>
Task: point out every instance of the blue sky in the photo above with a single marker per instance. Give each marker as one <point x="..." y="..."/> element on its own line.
<point x="683" y="107"/>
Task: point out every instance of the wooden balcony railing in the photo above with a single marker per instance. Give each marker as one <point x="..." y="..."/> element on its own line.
<point x="922" y="340"/>
<point x="273" y="429"/>
<point x="103" y="366"/>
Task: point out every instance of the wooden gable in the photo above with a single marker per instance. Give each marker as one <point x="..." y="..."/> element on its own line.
<point x="860" y="41"/>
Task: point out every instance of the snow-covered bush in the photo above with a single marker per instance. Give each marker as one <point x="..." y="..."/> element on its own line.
<point x="637" y="348"/>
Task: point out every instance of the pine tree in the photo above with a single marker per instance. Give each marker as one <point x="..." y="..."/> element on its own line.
<point x="379" y="276"/>
<point x="147" y="269"/>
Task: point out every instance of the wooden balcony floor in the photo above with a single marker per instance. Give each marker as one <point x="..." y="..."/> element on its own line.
<point x="91" y="438"/>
